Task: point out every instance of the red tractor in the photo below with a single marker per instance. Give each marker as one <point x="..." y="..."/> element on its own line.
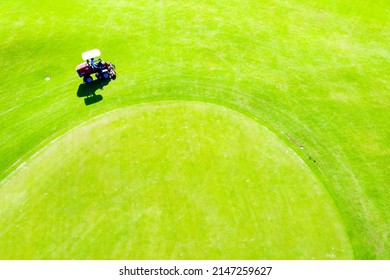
<point x="102" y="70"/>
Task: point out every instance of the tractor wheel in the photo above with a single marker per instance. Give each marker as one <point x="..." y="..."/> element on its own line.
<point x="88" y="79"/>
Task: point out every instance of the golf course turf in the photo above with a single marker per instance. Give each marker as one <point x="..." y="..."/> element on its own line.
<point x="235" y="130"/>
<point x="171" y="180"/>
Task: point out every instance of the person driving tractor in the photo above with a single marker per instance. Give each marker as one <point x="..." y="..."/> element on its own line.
<point x="94" y="65"/>
<point x="102" y="70"/>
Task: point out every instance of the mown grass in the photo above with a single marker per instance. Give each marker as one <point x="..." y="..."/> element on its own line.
<point x="314" y="72"/>
<point x="170" y="180"/>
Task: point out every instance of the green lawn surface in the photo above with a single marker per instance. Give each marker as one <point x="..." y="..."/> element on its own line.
<point x="176" y="180"/>
<point x="314" y="73"/>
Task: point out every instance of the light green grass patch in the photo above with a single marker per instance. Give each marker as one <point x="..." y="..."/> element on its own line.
<point x="170" y="180"/>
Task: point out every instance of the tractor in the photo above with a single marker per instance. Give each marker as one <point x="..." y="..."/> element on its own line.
<point x="101" y="70"/>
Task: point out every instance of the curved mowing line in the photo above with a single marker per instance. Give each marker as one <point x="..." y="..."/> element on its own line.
<point x="209" y="86"/>
<point x="292" y="155"/>
<point x="55" y="137"/>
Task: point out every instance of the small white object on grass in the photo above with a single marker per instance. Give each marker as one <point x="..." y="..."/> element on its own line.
<point x="47" y="78"/>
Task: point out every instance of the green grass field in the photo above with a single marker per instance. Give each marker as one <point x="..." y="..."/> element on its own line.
<point x="235" y="130"/>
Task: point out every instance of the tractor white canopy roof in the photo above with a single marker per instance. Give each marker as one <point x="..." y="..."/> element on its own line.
<point x="90" y="54"/>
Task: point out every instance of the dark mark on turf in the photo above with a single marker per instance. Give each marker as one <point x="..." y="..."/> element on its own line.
<point x="89" y="91"/>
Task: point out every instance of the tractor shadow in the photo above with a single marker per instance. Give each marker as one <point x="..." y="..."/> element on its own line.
<point x="88" y="91"/>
